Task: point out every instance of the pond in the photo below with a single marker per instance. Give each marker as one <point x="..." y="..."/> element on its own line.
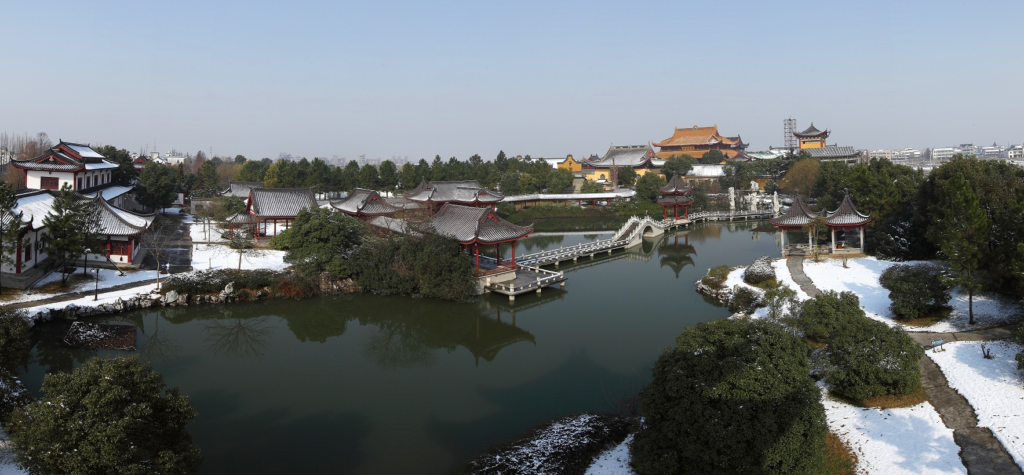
<point x="365" y="384"/>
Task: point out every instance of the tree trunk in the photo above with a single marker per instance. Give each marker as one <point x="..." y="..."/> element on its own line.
<point x="239" y="260"/>
<point x="158" y="274"/>
<point x="970" y="305"/>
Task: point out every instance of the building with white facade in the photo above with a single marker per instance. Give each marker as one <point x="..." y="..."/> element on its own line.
<point x="944" y="153"/>
<point x="886" y="154"/>
<point x="72" y="164"/>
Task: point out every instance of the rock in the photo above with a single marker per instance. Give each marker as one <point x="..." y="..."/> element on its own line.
<point x="183" y="299"/>
<point x="759" y="271"/>
<point x="229" y="289"/>
<point x="171" y="297"/>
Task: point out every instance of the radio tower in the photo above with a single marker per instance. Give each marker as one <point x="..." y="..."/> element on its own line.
<point x="789" y="127"/>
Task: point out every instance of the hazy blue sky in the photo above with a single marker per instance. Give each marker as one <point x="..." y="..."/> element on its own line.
<point x="543" y="78"/>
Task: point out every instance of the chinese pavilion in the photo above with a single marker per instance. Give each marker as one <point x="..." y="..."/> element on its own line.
<point x="812" y="137"/>
<point x="467" y="192"/>
<point x="641" y="158"/>
<point x="476" y="227"/>
<point x="674" y="195"/>
<point x="67" y="163"/>
<point x="845" y="218"/>
<point x="696" y="141"/>
<point x="363" y="204"/>
<point x="270" y="207"/>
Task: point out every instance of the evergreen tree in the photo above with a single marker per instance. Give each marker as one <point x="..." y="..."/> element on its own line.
<point x="501" y="162"/>
<point x="125" y="174"/>
<point x="157" y="186"/>
<point x="388" y="175"/>
<point x="368" y="177"/>
<point x="72" y="226"/>
<point x="107" y="416"/>
<point x="960" y="230"/>
<point x="681" y="164"/>
<point x="627" y="176"/>
<point x="321" y="241"/>
<point x="408" y="178"/>
<point x="207" y="181"/>
<point x="252" y="171"/>
<point x="351" y="175"/>
<point x="10" y="226"/>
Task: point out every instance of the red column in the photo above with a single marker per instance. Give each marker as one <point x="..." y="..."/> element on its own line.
<point x="664" y="214"/>
<point x="675" y="212"/>
<point x="130" y="241"/>
<point x="686" y="211"/>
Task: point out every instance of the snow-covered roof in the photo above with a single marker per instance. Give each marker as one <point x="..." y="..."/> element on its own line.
<point x="83" y="150"/>
<point x="111" y="192"/>
<point x="571" y="196"/>
<point x="707" y="171"/>
<point x="101" y="165"/>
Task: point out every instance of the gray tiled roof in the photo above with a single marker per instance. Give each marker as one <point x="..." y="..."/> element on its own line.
<point x="365" y="202"/>
<point x="797" y="215"/>
<point x="467" y="225"/>
<point x="35" y="206"/>
<point x="812" y="130"/>
<point x="466" y="191"/>
<point x="280" y="202"/>
<point x="675" y="200"/>
<point x="832" y="152"/>
<point x="675" y="186"/>
<point x="64" y="157"/>
<point x="628" y="156"/>
<point x="241" y="189"/>
<point x="847" y="215"/>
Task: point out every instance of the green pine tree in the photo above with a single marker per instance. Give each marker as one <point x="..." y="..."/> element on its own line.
<point x="72" y="226"/>
<point x="10" y="226"/>
<point x="960" y="230"/>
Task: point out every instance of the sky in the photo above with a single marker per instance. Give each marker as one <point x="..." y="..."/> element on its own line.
<point x="546" y="78"/>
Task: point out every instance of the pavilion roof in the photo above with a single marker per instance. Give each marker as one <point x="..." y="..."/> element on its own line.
<point x="797" y="215"/>
<point x="241" y="189"/>
<point x="675" y="186"/>
<point x="811" y="131"/>
<point x="469" y="225"/>
<point x="465" y="191"/>
<point x="65" y="157"/>
<point x="36" y="205"/>
<point x="280" y="202"/>
<point x="847" y="214"/>
<point x="628" y="156"/>
<point x="364" y="202"/>
<point x="675" y="200"/>
<point x="832" y="152"/>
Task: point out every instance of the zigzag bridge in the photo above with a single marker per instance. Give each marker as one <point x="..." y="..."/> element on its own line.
<point x="529" y="276"/>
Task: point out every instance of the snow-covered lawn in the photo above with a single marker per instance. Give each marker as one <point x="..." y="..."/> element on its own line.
<point x="995" y="388"/>
<point x="782" y="275"/>
<point x="108" y="278"/>
<point x="198" y="232"/>
<point x="862" y="276"/>
<point x="614" y="461"/>
<point x="216" y="256"/>
<point x="107" y="298"/>
<point x="910" y="440"/>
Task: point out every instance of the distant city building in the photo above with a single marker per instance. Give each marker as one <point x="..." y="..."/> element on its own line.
<point x="906" y="154"/>
<point x="943" y="153"/>
<point x="886" y="154"/>
<point x="1016" y="152"/>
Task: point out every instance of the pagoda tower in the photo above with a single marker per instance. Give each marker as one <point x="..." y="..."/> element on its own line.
<point x="674" y="194"/>
<point x="812" y="137"/>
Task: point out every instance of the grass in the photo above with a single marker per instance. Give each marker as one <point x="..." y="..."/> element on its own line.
<point x="716" y="277"/>
<point x="56" y="286"/>
<point x="839" y="457"/>
<point x="891" y="401"/>
<point x="933" y="317"/>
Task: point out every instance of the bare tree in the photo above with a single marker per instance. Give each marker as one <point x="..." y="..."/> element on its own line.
<point x="158" y="241"/>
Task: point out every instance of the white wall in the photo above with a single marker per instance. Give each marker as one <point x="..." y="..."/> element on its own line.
<point x="34" y="182"/>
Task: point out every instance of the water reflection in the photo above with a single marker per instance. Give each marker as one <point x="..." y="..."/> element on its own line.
<point x="51" y="352"/>
<point x="677" y="255"/>
<point x="238" y="337"/>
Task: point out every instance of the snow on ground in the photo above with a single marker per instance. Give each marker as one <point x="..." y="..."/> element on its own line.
<point x="782" y="275"/>
<point x="108" y="278"/>
<point x="910" y="440"/>
<point x="107" y="298"/>
<point x="198" y="233"/>
<point x="862" y="276"/>
<point x="216" y="256"/>
<point x="7" y="466"/>
<point x="614" y="461"/>
<point x="995" y="388"/>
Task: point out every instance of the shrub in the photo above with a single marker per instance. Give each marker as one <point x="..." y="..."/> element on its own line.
<point x="106" y="416"/>
<point x="1018" y="336"/>
<point x="759" y="271"/>
<point x="715" y="278"/>
<point x="321" y="241"/>
<point x="13" y="396"/>
<point x="744" y="300"/>
<point x="915" y="290"/>
<point x="821" y="316"/>
<point x="14" y="339"/>
<point x="731" y="397"/>
<point x="779" y="299"/>
<point x="213" y="281"/>
<point x="868" y="358"/>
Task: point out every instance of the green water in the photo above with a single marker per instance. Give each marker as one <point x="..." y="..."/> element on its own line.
<point x="379" y="385"/>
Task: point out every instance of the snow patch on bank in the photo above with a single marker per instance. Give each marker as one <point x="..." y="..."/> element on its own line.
<point x="994" y="387"/>
<point x="215" y="256"/>
<point x="862" y="276"/>
<point x="907" y="440"/>
<point x="614" y="461"/>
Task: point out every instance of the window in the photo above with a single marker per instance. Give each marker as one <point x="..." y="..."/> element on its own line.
<point x="119" y="248"/>
<point x="88" y="181"/>
<point x="49" y="183"/>
<point x="79" y="183"/>
<point x="28" y="252"/>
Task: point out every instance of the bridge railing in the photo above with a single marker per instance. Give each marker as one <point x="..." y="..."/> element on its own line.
<point x="548" y="278"/>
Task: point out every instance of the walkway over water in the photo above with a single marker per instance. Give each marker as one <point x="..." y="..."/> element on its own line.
<point x="530" y="277"/>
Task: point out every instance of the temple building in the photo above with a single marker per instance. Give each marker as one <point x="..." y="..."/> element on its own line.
<point x="673" y="195"/>
<point x="641" y="158"/>
<point x="274" y="209"/>
<point x="696" y="141"/>
<point x="365" y="204"/>
<point x="72" y="164"/>
<point x="843" y="220"/>
<point x="119" y="236"/>
<point x="480" y="227"/>
<point x="812" y="137"/>
<point x="436" y="194"/>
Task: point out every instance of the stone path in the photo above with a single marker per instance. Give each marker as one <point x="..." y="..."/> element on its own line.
<point x="980" y="451"/>
<point x="82" y="293"/>
<point x="796" y="270"/>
